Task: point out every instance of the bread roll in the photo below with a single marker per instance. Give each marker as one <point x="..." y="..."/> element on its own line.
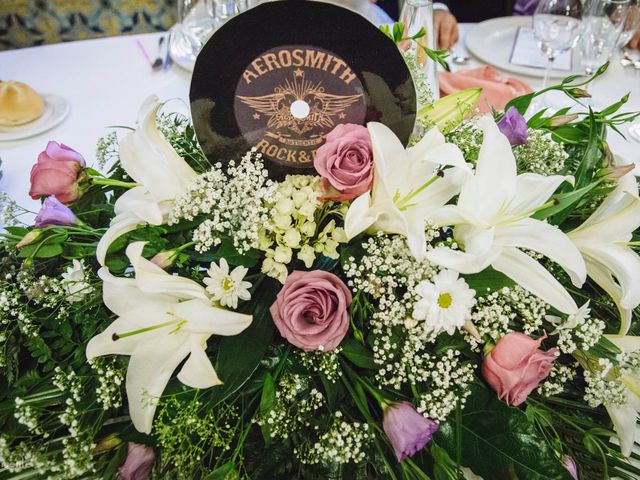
<point x="19" y="104"/>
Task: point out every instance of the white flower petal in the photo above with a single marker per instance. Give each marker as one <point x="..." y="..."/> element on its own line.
<point x="139" y="201"/>
<point x="150" y="160"/>
<point x="198" y="372"/>
<point x="623" y="418"/>
<point x="462" y="262"/>
<point x="532" y="276"/>
<point x="121" y="295"/>
<point x="203" y="318"/>
<point x="548" y="240"/>
<point x="624" y="264"/>
<point x="120" y="225"/>
<point x="613" y="220"/>
<point x="358" y="217"/>
<point x="152" y="279"/>
<point x="533" y="191"/>
<point x="150" y="368"/>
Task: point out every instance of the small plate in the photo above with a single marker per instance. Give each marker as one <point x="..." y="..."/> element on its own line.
<point x="56" y="110"/>
<point x="492" y="42"/>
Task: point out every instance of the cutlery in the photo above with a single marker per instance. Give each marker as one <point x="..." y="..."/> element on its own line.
<point x="627" y="61"/>
<point x="157" y="63"/>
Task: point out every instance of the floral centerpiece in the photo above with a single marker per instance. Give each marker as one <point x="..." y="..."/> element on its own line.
<point x="462" y="308"/>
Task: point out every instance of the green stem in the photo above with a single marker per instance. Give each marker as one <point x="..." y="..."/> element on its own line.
<point x="113" y="183"/>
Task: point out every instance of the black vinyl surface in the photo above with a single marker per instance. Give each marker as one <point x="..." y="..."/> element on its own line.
<point x="331" y="62"/>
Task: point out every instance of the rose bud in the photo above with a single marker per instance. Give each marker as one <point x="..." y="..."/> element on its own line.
<point x="58" y="172"/>
<point x="52" y="212"/>
<point x="407" y="430"/>
<point x="514" y="127"/>
<point x="516" y="366"/>
<point x="345" y="162"/>
<point x="570" y="464"/>
<point x="312" y="310"/>
<point x="139" y="462"/>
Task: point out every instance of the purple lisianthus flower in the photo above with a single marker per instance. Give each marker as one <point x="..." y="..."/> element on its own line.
<point x="54" y="212"/>
<point x="514" y="127"/>
<point x="407" y="430"/>
<point x="570" y="464"/>
<point x="139" y="462"/>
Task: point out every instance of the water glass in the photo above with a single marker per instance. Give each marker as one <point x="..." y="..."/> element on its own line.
<point x="556" y="25"/>
<point x="631" y="25"/>
<point x="602" y="24"/>
<point x="417" y="15"/>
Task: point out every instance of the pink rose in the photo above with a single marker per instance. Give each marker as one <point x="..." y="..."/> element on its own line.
<point x="516" y="366"/>
<point x="58" y="172"/>
<point x="311" y="310"/>
<point x="345" y="162"/>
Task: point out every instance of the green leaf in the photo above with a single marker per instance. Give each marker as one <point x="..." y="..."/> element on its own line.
<point x="41" y="251"/>
<point x="268" y="394"/>
<point x="358" y="354"/>
<point x="565" y="201"/>
<point x="240" y="355"/>
<point x="487" y="281"/>
<point x="228" y="471"/>
<point x="18" y="231"/>
<point x="499" y="442"/>
<point x="443" y="467"/>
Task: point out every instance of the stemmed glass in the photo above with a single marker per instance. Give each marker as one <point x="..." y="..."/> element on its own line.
<point x="556" y="25"/>
<point x="602" y="24"/>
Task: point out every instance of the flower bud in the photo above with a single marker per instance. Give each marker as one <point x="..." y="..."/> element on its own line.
<point x="560" y="120"/>
<point x="165" y="258"/>
<point x="29" y="238"/>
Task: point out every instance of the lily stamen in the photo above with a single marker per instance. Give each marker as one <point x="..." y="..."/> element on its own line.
<point x="179" y="322"/>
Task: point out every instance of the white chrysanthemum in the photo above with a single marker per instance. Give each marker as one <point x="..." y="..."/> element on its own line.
<point x="226" y="287"/>
<point x="74" y="282"/>
<point x="445" y="304"/>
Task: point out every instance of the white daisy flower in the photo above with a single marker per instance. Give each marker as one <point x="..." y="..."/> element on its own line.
<point x="226" y="287"/>
<point x="445" y="304"/>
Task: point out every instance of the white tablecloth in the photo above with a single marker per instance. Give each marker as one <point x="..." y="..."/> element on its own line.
<point x="106" y="81"/>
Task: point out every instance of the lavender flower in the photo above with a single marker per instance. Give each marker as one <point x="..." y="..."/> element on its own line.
<point x="514" y="127"/>
<point x="570" y="464"/>
<point x="407" y="430"/>
<point x="139" y="462"/>
<point x="53" y="212"/>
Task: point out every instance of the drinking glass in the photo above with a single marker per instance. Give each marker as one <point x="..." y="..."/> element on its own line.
<point x="556" y="24"/>
<point x="602" y="24"/>
<point x="415" y="15"/>
<point x="634" y="130"/>
<point x="631" y="25"/>
<point x="195" y="26"/>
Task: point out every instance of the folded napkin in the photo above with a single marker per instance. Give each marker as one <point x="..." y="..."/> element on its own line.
<point x="497" y="89"/>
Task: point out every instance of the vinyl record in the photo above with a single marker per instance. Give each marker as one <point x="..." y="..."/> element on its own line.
<point x="282" y="75"/>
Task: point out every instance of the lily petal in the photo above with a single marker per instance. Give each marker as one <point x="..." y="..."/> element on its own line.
<point x="548" y="240"/>
<point x="358" y="217"/>
<point x="532" y="276"/>
<point x="150" y="368"/>
<point x="152" y="279"/>
<point x="169" y="175"/>
<point x="614" y="219"/>
<point x="121" y="224"/>
<point x="462" y="262"/>
<point x="121" y="295"/>
<point x="623" y="422"/>
<point x="197" y="372"/>
<point x="203" y="318"/>
<point x="533" y="191"/>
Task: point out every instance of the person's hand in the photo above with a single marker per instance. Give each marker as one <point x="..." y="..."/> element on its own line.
<point x="635" y="41"/>
<point x="446" y="27"/>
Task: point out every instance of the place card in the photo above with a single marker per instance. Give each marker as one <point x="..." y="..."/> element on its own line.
<point x="526" y="52"/>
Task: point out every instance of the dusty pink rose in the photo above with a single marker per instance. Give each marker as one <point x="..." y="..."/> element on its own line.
<point x="139" y="462"/>
<point x="345" y="162"/>
<point x="58" y="172"/>
<point x="516" y="366"/>
<point x="311" y="310"/>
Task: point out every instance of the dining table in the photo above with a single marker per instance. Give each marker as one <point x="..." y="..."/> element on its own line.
<point x="107" y="80"/>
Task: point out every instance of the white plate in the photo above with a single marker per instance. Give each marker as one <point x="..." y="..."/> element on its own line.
<point x="492" y="42"/>
<point x="56" y="110"/>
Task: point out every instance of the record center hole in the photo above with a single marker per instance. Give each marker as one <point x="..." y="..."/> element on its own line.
<point x="300" y="109"/>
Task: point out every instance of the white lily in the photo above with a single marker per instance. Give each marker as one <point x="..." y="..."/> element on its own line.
<point x="408" y="186"/>
<point x="601" y="239"/>
<point x="492" y="223"/>
<point x="625" y="416"/>
<point x="161" y="320"/>
<point x="163" y="175"/>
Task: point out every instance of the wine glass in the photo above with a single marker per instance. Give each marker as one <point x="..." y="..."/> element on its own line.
<point x="634" y="130"/>
<point x="602" y="24"/>
<point x="556" y="24"/>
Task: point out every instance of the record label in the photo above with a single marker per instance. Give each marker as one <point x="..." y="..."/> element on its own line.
<point x="290" y="97"/>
